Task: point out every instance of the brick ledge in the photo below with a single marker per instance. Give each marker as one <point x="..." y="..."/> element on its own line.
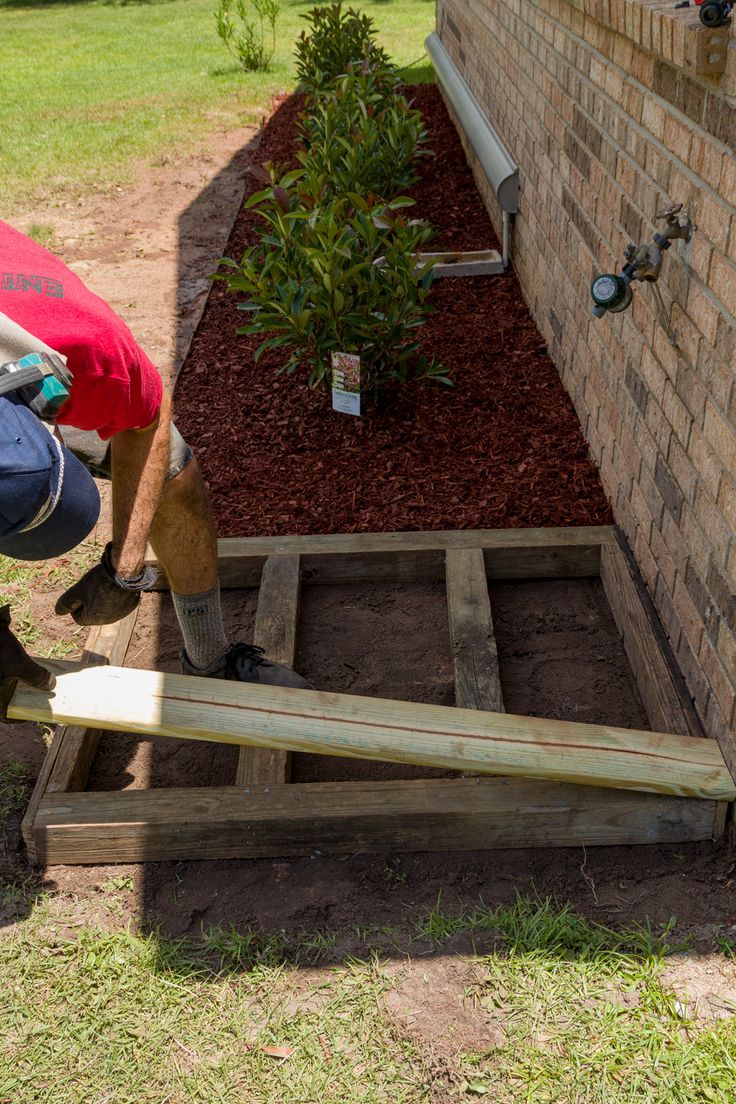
<point x="675" y="35"/>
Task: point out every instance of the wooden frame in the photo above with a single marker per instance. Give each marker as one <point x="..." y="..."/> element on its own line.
<point x="264" y="815"/>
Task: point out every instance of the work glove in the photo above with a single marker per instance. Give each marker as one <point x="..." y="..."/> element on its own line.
<point x="101" y="596"/>
<point x="15" y="664"/>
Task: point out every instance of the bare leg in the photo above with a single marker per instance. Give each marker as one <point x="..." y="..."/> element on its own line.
<point x="183" y="533"/>
<point x="183" y="538"/>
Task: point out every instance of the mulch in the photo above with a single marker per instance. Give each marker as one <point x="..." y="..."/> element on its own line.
<point x="503" y="448"/>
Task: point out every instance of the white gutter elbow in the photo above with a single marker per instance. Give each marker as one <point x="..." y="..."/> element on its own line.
<point x="501" y="171"/>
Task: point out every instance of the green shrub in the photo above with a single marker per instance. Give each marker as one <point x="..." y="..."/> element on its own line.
<point x="336" y="40"/>
<point x="374" y="85"/>
<point x="251" y="41"/>
<point x="362" y="138"/>
<point x="336" y="274"/>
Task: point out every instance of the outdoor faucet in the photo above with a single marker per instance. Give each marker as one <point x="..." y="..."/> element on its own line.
<point x="643" y="262"/>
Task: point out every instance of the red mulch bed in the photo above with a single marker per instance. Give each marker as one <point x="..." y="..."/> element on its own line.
<point x="501" y="449"/>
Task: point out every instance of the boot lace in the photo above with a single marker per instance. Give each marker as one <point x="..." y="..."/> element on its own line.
<point x="242" y="652"/>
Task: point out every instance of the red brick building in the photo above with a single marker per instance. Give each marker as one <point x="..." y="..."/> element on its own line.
<point x="613" y="109"/>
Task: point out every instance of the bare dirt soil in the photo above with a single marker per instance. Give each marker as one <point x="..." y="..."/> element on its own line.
<point x="148" y="251"/>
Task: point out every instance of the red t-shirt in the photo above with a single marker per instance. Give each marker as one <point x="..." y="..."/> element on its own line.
<point x="116" y="387"/>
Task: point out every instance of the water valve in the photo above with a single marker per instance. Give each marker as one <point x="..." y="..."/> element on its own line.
<point x="613" y="293"/>
<point x="610" y="293"/>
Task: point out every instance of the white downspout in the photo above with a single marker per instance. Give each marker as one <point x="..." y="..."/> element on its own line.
<point x="497" y="164"/>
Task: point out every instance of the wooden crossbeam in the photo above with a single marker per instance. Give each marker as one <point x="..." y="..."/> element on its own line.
<point x="159" y="704"/>
<point x="277" y="620"/>
<point x="106" y="644"/>
<point x="416" y="557"/>
<point x="343" y="817"/>
<point x="474" y="652"/>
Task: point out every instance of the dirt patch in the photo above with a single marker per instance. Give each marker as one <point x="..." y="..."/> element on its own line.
<point x="148" y="249"/>
<point x="433" y="1004"/>
<point x="706" y="986"/>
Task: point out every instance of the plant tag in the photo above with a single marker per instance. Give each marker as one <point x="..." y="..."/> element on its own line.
<point x="346" y="383"/>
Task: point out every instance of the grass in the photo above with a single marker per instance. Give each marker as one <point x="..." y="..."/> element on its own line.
<point x="135" y="1019"/>
<point x="103" y="1015"/>
<point x="586" y="1015"/>
<point x="21" y="581"/>
<point x="127" y="81"/>
<point x="14" y="790"/>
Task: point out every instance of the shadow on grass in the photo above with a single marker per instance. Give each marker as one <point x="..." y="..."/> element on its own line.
<point x="541" y="928"/>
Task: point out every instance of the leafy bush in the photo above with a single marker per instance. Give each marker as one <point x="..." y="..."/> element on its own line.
<point x="336" y="274"/>
<point x="336" y="40"/>
<point x="362" y="138"/>
<point x="248" y="39"/>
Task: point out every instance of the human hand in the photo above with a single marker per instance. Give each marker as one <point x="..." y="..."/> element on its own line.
<point x="16" y="664"/>
<point x="99" y="598"/>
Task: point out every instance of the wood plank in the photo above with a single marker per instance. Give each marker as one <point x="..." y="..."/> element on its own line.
<point x="653" y="676"/>
<point x="720" y="816"/>
<point x="474" y="652"/>
<point x="341" y="818"/>
<point x="416" y="557"/>
<point x="106" y="644"/>
<point x="39" y="791"/>
<point x="277" y="620"/>
<point x="154" y="703"/>
<point x="661" y="685"/>
<point x="67" y="762"/>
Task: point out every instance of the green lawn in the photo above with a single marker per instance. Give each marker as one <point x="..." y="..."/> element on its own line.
<point x="86" y="87"/>
<point x="95" y="1014"/>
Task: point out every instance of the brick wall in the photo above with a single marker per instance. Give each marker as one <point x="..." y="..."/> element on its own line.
<point x="597" y="102"/>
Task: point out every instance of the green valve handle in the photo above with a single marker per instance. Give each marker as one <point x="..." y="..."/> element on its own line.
<point x="610" y="293"/>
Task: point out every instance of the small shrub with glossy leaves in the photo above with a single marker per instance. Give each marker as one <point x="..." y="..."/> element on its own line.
<point x="337" y="274"/>
<point x="363" y="136"/>
<point x="336" y="40"/>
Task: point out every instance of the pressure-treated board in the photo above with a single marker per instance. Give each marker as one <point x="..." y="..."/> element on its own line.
<point x="277" y="619"/>
<point x="659" y="683"/>
<point x="372" y="728"/>
<point x="474" y="653"/>
<point x="67" y="763"/>
<point x="341" y="818"/>
<point x="648" y="665"/>
<point x="416" y="557"/>
<point x="107" y="644"/>
<point x="433" y="815"/>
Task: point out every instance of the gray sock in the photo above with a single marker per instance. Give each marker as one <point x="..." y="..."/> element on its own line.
<point x="200" y="620"/>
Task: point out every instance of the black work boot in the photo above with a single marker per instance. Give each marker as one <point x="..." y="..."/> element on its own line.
<point x="247" y="663"/>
